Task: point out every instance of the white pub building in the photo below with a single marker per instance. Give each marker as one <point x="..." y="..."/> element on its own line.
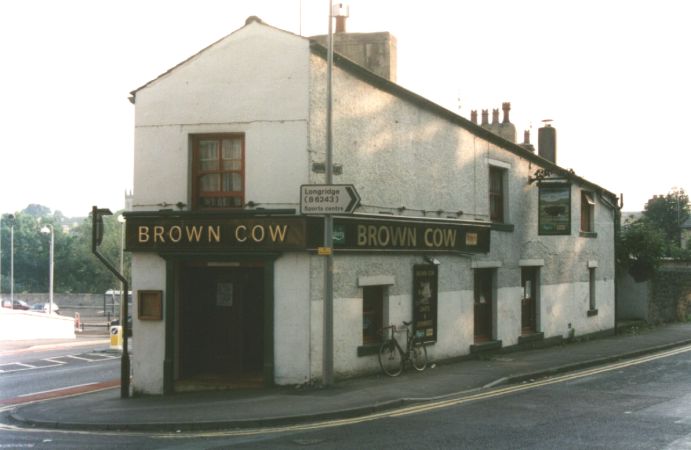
<point x="481" y="242"/>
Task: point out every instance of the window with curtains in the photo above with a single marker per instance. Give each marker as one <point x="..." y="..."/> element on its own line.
<point x="218" y="171"/>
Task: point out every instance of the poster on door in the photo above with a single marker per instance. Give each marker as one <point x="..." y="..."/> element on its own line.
<point x="425" y="302"/>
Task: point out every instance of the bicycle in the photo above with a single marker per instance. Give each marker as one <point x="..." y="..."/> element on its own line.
<point x="392" y="357"/>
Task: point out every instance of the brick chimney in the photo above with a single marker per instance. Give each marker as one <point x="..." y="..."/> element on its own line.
<point x="374" y="51"/>
<point x="507" y="130"/>
<point x="526" y="142"/>
<point x="340" y="11"/>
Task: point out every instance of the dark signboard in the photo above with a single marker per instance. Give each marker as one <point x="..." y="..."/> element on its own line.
<point x="203" y="232"/>
<point x="406" y="235"/>
<point x="554" y="210"/>
<point x="213" y="233"/>
<point x="425" y="277"/>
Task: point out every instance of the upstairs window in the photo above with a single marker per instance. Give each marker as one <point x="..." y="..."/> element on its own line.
<point x="496" y="194"/>
<point x="587" y="212"/>
<point x="218" y="171"/>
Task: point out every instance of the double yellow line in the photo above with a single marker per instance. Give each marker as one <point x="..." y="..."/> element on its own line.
<point x="458" y="399"/>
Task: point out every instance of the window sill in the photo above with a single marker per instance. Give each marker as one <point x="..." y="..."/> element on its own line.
<point x="368" y="349"/>
<point x="592" y="312"/>
<point x="588" y="234"/>
<point x="507" y="227"/>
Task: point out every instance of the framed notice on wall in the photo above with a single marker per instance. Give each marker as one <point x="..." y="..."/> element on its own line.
<point x="554" y="210"/>
<point x="425" y="278"/>
<point x="150" y="305"/>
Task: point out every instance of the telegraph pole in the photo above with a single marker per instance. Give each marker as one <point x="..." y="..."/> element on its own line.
<point x="328" y="343"/>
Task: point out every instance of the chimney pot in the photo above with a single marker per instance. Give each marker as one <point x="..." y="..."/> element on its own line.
<point x="495" y="116"/>
<point x="473" y="116"/>
<point x="485" y="117"/>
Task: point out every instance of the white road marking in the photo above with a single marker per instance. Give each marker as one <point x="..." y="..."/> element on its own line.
<point x="56" y="389"/>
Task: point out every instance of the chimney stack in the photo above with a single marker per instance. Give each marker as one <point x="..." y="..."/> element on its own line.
<point x="526" y="142"/>
<point x="485" y="117"/>
<point x="340" y="11"/>
<point x="495" y="116"/>
<point x="547" y="142"/>
<point x="473" y="116"/>
<point x="506" y="106"/>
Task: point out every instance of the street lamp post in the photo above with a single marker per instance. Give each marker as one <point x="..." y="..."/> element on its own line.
<point x="49" y="229"/>
<point x="0" y="258"/>
<point x="11" y="220"/>
<point x="123" y="295"/>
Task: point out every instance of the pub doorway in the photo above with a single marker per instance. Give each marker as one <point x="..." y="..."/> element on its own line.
<point x="529" y="301"/>
<point x="221" y="326"/>
<point x="484" y="299"/>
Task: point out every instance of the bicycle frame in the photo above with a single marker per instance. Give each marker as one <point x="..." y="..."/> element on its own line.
<point x="408" y="340"/>
<point x="391" y="347"/>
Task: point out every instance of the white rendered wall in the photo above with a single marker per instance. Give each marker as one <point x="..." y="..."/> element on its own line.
<point x="148" y="337"/>
<point x="255" y="82"/>
<point x="292" y="316"/>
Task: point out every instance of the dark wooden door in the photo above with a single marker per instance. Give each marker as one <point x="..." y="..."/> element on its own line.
<point x="483" y="304"/>
<point x="222" y="321"/>
<point x="529" y="300"/>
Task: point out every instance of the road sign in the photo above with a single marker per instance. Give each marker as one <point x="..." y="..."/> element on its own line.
<point x="323" y="199"/>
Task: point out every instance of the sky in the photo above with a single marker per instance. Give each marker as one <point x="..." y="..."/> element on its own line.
<point x="614" y="77"/>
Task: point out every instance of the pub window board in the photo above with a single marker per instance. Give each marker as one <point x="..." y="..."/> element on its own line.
<point x="150" y="305"/>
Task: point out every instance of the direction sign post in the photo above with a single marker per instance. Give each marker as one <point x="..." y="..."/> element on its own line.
<point x="328" y="199"/>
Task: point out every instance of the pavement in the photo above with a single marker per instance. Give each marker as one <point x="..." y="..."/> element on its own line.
<point x="280" y="406"/>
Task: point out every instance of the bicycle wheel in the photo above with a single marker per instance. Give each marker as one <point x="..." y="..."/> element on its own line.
<point x="418" y="355"/>
<point x="390" y="358"/>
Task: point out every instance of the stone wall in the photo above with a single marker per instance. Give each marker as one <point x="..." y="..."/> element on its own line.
<point x="63" y="300"/>
<point x="664" y="298"/>
<point x="671" y="292"/>
<point x="95" y="310"/>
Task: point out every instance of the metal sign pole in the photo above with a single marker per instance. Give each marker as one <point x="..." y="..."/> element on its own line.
<point x="327" y="363"/>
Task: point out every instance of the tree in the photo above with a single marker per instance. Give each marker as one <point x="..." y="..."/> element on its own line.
<point x="76" y="268"/>
<point x="643" y="243"/>
<point x="87" y="273"/>
<point x="667" y="213"/>
<point x="639" y="249"/>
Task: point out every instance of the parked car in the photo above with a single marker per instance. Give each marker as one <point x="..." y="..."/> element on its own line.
<point x="7" y="304"/>
<point x="45" y="307"/>
<point x="20" y="304"/>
